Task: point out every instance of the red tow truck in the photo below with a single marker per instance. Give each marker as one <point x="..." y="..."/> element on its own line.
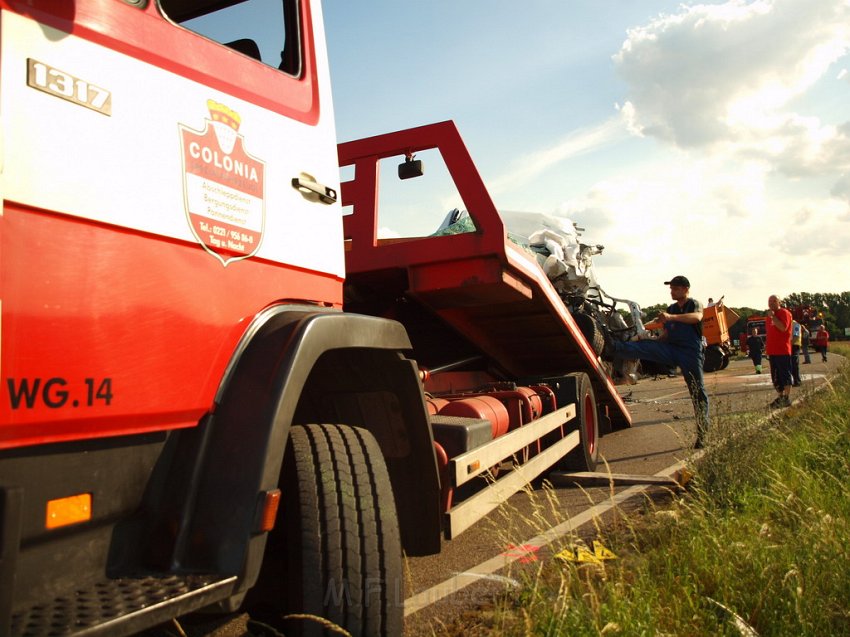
<point x="201" y="410"/>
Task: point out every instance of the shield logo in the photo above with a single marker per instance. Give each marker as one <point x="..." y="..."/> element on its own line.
<point x="223" y="186"/>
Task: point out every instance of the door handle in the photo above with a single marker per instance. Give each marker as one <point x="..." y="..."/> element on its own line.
<point x="312" y="190"/>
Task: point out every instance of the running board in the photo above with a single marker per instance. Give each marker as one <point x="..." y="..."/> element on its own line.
<point x="121" y="606"/>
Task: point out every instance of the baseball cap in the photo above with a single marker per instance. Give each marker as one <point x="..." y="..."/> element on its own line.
<point x="679" y="280"/>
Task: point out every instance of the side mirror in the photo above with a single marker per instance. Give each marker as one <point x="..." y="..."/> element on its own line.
<point x="410" y="168"/>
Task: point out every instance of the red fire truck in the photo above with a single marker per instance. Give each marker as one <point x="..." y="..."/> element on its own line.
<point x="202" y="410"/>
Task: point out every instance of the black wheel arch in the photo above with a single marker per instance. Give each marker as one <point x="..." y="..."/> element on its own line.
<point x="295" y="365"/>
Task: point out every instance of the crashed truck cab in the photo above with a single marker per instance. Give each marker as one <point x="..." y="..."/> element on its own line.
<point x="221" y="392"/>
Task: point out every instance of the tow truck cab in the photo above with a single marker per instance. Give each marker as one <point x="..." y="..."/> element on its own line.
<point x="219" y="390"/>
<point x="169" y="311"/>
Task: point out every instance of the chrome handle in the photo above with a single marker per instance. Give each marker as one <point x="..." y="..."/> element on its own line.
<point x="313" y="190"/>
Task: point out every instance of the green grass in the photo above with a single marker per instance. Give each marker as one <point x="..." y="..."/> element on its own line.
<point x="764" y="532"/>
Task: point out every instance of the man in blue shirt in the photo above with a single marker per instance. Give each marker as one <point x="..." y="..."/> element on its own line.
<point x="680" y="345"/>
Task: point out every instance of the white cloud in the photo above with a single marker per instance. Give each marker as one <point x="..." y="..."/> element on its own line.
<point x="683" y="215"/>
<point x="841" y="189"/>
<point x="735" y="206"/>
<point x="815" y="233"/>
<point x="385" y="232"/>
<point x="715" y="74"/>
<point x="531" y="165"/>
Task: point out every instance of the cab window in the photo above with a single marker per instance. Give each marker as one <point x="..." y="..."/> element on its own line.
<point x="265" y="30"/>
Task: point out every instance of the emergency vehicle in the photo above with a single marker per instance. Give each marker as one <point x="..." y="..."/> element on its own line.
<point x="805" y="315"/>
<point x="716" y="321"/>
<point x="202" y="410"/>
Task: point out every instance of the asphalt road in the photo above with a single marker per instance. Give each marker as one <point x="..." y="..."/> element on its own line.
<point x="533" y="525"/>
<point x="660" y="440"/>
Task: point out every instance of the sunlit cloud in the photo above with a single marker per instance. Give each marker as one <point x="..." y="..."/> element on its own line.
<point x="532" y="165"/>
<point x="723" y="87"/>
<point x="717" y="74"/>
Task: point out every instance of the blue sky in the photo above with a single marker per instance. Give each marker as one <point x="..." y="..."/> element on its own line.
<point x="707" y="139"/>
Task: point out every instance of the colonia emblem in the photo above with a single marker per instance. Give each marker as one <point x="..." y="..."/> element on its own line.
<point x="223" y="186"/>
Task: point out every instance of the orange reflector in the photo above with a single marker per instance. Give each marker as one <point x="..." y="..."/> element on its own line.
<point x="70" y="510"/>
<point x="269" y="512"/>
<point x="473" y="466"/>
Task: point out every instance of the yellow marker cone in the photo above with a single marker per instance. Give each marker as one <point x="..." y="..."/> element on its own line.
<point x="601" y="552"/>
<point x="584" y="555"/>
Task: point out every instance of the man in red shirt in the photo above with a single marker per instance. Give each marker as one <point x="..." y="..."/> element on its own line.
<point x="778" y="348"/>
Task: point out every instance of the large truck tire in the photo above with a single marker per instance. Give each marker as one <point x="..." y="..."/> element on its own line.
<point x="343" y="549"/>
<point x="714" y="356"/>
<point x="591" y="330"/>
<point x="584" y="457"/>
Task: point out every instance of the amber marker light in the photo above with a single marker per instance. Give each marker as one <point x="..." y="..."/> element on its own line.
<point x="271" y="501"/>
<point x="70" y="510"/>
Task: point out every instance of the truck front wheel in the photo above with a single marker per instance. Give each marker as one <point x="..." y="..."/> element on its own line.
<point x="337" y="556"/>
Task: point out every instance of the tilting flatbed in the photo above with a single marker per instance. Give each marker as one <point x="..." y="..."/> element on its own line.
<point x="474" y="296"/>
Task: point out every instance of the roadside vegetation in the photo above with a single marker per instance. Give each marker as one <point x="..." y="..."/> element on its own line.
<point x="758" y="545"/>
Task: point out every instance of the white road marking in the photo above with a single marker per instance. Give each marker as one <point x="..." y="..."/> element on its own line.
<point x="764" y="378"/>
<point x="488" y="568"/>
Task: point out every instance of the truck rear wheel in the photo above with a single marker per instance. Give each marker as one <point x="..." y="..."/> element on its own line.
<point x="586" y="455"/>
<point x="342" y="548"/>
<point x="714" y="356"/>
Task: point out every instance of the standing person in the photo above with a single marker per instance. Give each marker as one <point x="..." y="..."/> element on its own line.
<point x="796" y="346"/>
<point x="806" y="335"/>
<point x="755" y="346"/>
<point x="680" y="345"/>
<point x="778" y="348"/>
<point x="822" y="341"/>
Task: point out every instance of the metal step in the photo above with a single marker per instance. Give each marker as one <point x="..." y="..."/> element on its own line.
<point x="120" y="606"/>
